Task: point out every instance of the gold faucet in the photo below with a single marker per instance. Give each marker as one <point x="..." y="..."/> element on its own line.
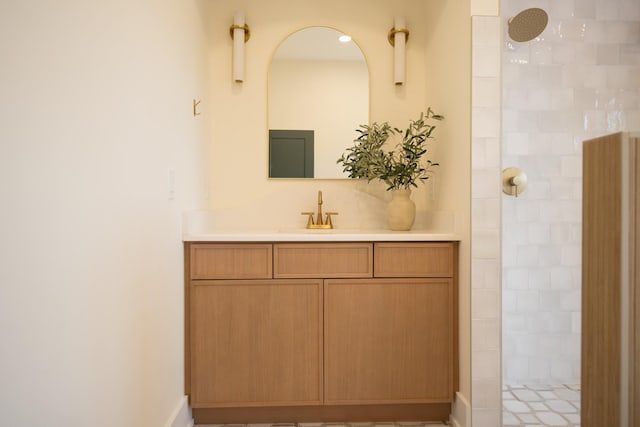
<point x="319" y="223"/>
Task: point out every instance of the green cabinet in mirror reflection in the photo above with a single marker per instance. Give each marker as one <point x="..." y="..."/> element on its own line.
<point x="291" y="153"/>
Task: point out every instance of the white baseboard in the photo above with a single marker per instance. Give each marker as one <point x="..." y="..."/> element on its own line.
<point x="181" y="416"/>
<point x="460" y="412"/>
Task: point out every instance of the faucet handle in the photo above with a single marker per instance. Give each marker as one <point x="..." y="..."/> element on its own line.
<point x="310" y="220"/>
<point x="328" y="221"/>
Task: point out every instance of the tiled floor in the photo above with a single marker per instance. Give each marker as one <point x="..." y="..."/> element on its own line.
<point x="541" y="405"/>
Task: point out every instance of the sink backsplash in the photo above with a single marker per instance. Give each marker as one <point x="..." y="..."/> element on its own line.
<point x="357" y="210"/>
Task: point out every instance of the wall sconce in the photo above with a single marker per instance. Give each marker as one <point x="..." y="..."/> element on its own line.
<point x="398" y="37"/>
<point x="240" y="34"/>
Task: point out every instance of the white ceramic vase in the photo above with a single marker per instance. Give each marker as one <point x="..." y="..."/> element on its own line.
<point x="401" y="211"/>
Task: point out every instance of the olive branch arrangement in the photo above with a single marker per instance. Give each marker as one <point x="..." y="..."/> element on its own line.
<point x="400" y="168"/>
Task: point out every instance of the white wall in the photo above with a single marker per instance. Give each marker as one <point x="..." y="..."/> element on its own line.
<point x="95" y="108"/>
<point x="578" y="80"/>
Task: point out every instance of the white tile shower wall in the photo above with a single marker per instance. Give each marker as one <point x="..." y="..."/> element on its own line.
<point x="485" y="217"/>
<point x="579" y="79"/>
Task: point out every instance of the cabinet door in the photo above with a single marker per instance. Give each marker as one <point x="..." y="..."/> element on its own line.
<point x="388" y="341"/>
<point x="256" y="343"/>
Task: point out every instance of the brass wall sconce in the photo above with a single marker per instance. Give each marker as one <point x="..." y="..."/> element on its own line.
<point x="398" y="37"/>
<point x="240" y="34"/>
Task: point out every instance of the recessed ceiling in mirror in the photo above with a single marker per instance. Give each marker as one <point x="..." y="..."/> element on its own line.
<point x="319" y="87"/>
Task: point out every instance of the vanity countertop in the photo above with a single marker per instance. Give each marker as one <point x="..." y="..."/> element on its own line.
<point x="305" y="235"/>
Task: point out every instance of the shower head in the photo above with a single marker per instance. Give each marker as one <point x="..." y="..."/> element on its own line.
<point x="528" y="24"/>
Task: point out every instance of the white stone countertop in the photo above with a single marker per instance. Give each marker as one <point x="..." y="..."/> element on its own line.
<point x="319" y="235"/>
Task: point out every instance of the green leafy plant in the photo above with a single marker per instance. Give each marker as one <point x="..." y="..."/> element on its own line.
<point x="400" y="168"/>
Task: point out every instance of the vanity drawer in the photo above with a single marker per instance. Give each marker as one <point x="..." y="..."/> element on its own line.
<point x="231" y="261"/>
<point x="409" y="259"/>
<point x="322" y="260"/>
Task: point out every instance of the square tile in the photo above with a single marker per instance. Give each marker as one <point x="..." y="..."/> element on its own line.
<point x="566" y="394"/>
<point x="552" y="419"/>
<point x="486" y="31"/>
<point x="486" y="61"/>
<point x="538" y="406"/>
<point x="486" y="417"/>
<point x="528" y="395"/>
<point x="561" y="406"/>
<point x="548" y="395"/>
<point x="573" y="418"/>
<point x="486" y="364"/>
<point x="508" y="419"/>
<point x="527" y="418"/>
<point x="516" y="406"/>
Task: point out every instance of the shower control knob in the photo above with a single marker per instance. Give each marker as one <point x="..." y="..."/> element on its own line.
<point x="514" y="181"/>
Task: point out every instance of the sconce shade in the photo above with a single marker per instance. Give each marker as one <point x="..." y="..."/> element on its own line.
<point x="400" y="38"/>
<point x="238" y="47"/>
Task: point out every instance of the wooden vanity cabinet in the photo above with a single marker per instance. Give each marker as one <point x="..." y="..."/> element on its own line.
<point x="284" y="332"/>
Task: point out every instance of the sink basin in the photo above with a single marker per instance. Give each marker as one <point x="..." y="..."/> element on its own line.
<point x="319" y="231"/>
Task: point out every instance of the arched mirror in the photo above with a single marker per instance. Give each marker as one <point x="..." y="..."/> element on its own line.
<point x="318" y="96"/>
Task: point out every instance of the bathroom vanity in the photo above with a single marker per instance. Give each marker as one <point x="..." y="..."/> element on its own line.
<point x="321" y="327"/>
